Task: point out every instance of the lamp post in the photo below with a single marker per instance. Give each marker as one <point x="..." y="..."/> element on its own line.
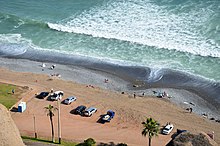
<point x="35" y="133"/>
<point x="59" y="122"/>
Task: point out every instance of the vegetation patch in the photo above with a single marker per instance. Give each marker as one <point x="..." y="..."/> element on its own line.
<point x="49" y="142"/>
<point x="7" y="98"/>
<point x="10" y="94"/>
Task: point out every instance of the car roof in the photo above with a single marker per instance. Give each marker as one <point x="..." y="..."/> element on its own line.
<point x="110" y="111"/>
<point x="81" y="106"/>
<point x="71" y="97"/>
<point x="58" y="92"/>
<point x="90" y="108"/>
<point x="169" y="126"/>
<point x="44" y="93"/>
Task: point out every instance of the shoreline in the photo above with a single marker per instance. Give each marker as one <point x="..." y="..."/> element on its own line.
<point x="145" y="77"/>
<point x="181" y="97"/>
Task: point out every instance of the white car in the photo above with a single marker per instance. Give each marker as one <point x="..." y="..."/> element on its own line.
<point x="69" y="100"/>
<point x="90" y="111"/>
<point x="57" y="95"/>
<point x="167" y="129"/>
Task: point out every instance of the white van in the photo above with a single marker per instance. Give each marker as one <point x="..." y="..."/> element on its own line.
<point x="57" y="95"/>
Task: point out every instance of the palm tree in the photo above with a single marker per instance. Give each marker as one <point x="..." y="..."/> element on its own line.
<point x="151" y="128"/>
<point x="50" y="112"/>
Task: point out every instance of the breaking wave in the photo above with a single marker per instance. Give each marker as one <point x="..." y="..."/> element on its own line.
<point x="147" y="23"/>
<point x="13" y="44"/>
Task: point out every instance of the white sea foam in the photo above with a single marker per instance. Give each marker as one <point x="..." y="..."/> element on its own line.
<point x="13" y="44"/>
<point x="155" y="75"/>
<point x="145" y="23"/>
<point x="13" y="38"/>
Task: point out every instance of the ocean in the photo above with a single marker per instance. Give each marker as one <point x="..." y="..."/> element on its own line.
<point x="169" y="43"/>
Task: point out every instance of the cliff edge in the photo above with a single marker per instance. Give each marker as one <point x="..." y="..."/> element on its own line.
<point x="9" y="134"/>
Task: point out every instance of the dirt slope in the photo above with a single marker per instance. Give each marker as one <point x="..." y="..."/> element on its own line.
<point x="9" y="134"/>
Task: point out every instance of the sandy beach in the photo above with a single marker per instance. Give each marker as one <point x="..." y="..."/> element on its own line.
<point x="130" y="112"/>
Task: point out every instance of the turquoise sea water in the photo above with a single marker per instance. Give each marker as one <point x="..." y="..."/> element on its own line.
<point x="174" y="34"/>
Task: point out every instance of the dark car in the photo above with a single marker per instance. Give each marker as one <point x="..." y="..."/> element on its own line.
<point x="42" y="95"/>
<point x="80" y="109"/>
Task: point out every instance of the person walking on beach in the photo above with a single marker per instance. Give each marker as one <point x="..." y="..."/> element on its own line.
<point x="134" y="95"/>
<point x="43" y="65"/>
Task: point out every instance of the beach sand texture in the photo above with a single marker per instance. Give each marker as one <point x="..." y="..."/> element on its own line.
<point x="130" y="112"/>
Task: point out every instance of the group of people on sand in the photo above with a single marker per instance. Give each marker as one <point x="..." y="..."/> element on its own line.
<point x="56" y="75"/>
<point x="90" y="86"/>
<point x="52" y="67"/>
<point x="161" y="94"/>
<point x="140" y="95"/>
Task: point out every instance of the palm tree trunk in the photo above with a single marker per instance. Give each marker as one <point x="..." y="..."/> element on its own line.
<point x="51" y="122"/>
<point x="149" y="141"/>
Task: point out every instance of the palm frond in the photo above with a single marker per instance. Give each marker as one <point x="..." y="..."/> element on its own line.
<point x="151" y="128"/>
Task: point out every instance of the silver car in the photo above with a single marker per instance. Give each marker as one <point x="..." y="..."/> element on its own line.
<point x="90" y="111"/>
<point x="69" y="100"/>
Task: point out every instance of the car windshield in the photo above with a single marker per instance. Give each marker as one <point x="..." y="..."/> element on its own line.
<point x="166" y="129"/>
<point x="88" y="109"/>
<point x="80" y="108"/>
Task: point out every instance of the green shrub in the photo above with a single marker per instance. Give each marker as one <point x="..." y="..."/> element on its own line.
<point x="88" y="142"/>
